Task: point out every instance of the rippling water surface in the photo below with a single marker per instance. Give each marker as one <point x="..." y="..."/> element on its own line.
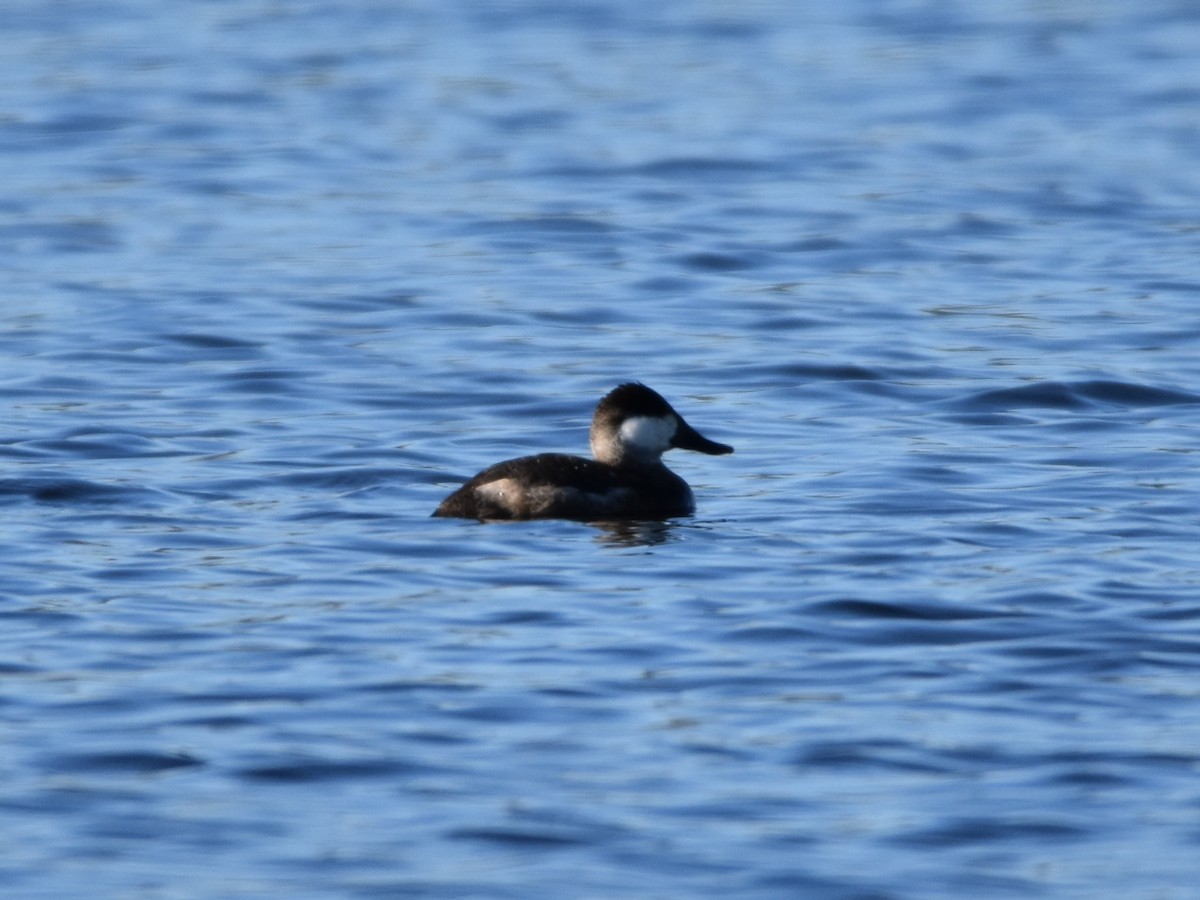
<point x="276" y="277"/>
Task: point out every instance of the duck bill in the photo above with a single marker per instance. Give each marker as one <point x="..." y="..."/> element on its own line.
<point x="688" y="438"/>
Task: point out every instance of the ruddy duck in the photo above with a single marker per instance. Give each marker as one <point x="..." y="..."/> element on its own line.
<point x="631" y="430"/>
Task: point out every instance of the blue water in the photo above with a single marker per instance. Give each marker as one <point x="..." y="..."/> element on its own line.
<point x="277" y="276"/>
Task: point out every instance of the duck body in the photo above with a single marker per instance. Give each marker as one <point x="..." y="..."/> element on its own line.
<point x="559" y="486"/>
<point x="632" y="428"/>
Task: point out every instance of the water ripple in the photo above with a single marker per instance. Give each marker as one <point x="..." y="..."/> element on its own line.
<point x="1077" y="396"/>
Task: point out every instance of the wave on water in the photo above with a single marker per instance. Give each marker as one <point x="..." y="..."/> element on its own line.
<point x="1077" y="395"/>
<point x="71" y="491"/>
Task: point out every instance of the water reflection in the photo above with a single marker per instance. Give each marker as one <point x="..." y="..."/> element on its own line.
<point x="635" y="533"/>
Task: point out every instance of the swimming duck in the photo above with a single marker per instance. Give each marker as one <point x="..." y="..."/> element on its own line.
<point x="631" y="430"/>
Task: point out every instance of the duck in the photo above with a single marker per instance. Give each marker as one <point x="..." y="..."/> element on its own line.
<point x="632" y="428"/>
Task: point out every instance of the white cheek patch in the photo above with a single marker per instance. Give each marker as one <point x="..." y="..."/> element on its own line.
<point x="651" y="434"/>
